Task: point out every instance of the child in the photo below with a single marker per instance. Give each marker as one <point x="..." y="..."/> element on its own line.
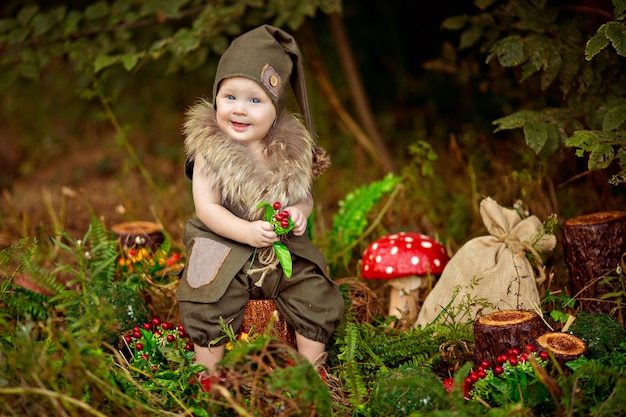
<point x="242" y="150"/>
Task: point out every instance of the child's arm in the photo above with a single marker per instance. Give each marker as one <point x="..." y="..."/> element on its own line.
<point x="222" y="221"/>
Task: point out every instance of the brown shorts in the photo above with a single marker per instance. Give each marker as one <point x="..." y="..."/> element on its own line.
<point x="309" y="301"/>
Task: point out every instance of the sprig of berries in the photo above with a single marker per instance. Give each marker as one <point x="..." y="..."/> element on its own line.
<point x="282" y="223"/>
<point x="279" y="219"/>
<point x="511" y="374"/>
<point x="155" y="345"/>
<point x="508" y="366"/>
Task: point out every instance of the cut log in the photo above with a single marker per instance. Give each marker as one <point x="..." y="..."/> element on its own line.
<point x="594" y="245"/>
<point x="497" y="332"/>
<point x="564" y="346"/>
<point x="257" y="317"/>
<point x="139" y="234"/>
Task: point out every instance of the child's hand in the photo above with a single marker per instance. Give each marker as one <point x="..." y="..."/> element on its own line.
<point x="261" y="234"/>
<point x="299" y="220"/>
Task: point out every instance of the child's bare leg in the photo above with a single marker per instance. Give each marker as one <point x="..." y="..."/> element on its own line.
<point x="209" y="356"/>
<point x="310" y="349"/>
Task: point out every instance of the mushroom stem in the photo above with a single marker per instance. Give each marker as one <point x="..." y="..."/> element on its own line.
<point x="403" y="304"/>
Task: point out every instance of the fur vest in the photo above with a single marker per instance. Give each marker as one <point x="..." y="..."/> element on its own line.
<point x="292" y="162"/>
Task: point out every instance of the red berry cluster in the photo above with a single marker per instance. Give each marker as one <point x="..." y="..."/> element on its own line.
<point x="512" y="358"/>
<point x="280" y="218"/>
<point x="145" y="341"/>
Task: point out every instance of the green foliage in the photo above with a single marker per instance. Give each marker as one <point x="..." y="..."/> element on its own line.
<point x="131" y="33"/>
<point x="21" y="261"/>
<point x="546" y="46"/>
<point x="602" y="334"/>
<point x="366" y="352"/>
<point x="405" y="390"/>
<point x="353" y="217"/>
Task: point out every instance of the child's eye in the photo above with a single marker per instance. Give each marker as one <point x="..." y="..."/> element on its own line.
<point x="230" y="97"/>
<point x="256" y="100"/>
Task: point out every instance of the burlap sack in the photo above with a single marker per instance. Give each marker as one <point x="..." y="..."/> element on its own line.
<point x="491" y="270"/>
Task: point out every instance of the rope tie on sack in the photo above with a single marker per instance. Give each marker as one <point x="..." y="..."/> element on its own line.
<point x="267" y="257"/>
<point x="520" y="248"/>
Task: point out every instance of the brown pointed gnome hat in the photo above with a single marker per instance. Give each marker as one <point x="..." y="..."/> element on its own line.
<point x="271" y="57"/>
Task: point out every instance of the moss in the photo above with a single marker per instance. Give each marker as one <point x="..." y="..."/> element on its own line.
<point x="405" y="390"/>
<point x="601" y="333"/>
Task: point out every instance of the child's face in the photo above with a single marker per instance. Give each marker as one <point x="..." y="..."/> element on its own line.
<point x="244" y="110"/>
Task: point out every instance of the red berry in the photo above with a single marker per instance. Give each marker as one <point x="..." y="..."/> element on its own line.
<point x="181" y="334"/>
<point x="139" y="346"/>
<point x="156" y="321"/>
<point x="502" y="358"/>
<point x="285" y="214"/>
<point x="147" y="326"/>
<point x="448" y="384"/>
<point x="284" y="223"/>
<point x="544" y="355"/>
<point x="136" y="329"/>
<point x="280" y="217"/>
<point x="523" y="357"/>
<point x="513" y="361"/>
<point x="166" y="325"/>
<point x="137" y="334"/>
<point x="276" y="205"/>
<point x="482" y="374"/>
<point x="474" y="376"/>
<point x="155" y="368"/>
<point x="189" y="347"/>
<point x="498" y="370"/>
<point x="530" y="348"/>
<point x="485" y="364"/>
<point x="158" y="333"/>
<point x="170" y="338"/>
<point x="145" y="356"/>
<point x="515" y="351"/>
<point x="128" y="339"/>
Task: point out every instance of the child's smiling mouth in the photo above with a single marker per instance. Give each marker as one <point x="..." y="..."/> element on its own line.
<point x="239" y="126"/>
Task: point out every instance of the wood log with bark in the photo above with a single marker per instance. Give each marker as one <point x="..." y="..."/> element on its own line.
<point x="565" y="347"/>
<point x="497" y="332"/>
<point x="258" y="316"/>
<point x="594" y="246"/>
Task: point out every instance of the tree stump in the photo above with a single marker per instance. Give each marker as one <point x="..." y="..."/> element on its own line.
<point x="594" y="245"/>
<point x="564" y="346"/>
<point x="497" y="332"/>
<point x="257" y="316"/>
<point x="138" y="234"/>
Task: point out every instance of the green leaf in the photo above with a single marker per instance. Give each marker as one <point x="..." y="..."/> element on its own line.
<point x="614" y="117"/>
<point x="103" y="61"/>
<point x="616" y="33"/>
<point x="536" y="135"/>
<point x="284" y="257"/>
<point x="26" y="14"/>
<point x="585" y="140"/>
<point x="130" y="60"/>
<point x="97" y="10"/>
<point x="597" y="43"/>
<point x="510" y="51"/>
<point x="454" y="22"/>
<point x="601" y="157"/>
<point x="470" y="36"/>
<point x="269" y="210"/>
<point x="512" y="121"/>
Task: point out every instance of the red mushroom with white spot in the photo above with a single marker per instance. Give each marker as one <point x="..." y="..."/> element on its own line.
<point x="407" y="260"/>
